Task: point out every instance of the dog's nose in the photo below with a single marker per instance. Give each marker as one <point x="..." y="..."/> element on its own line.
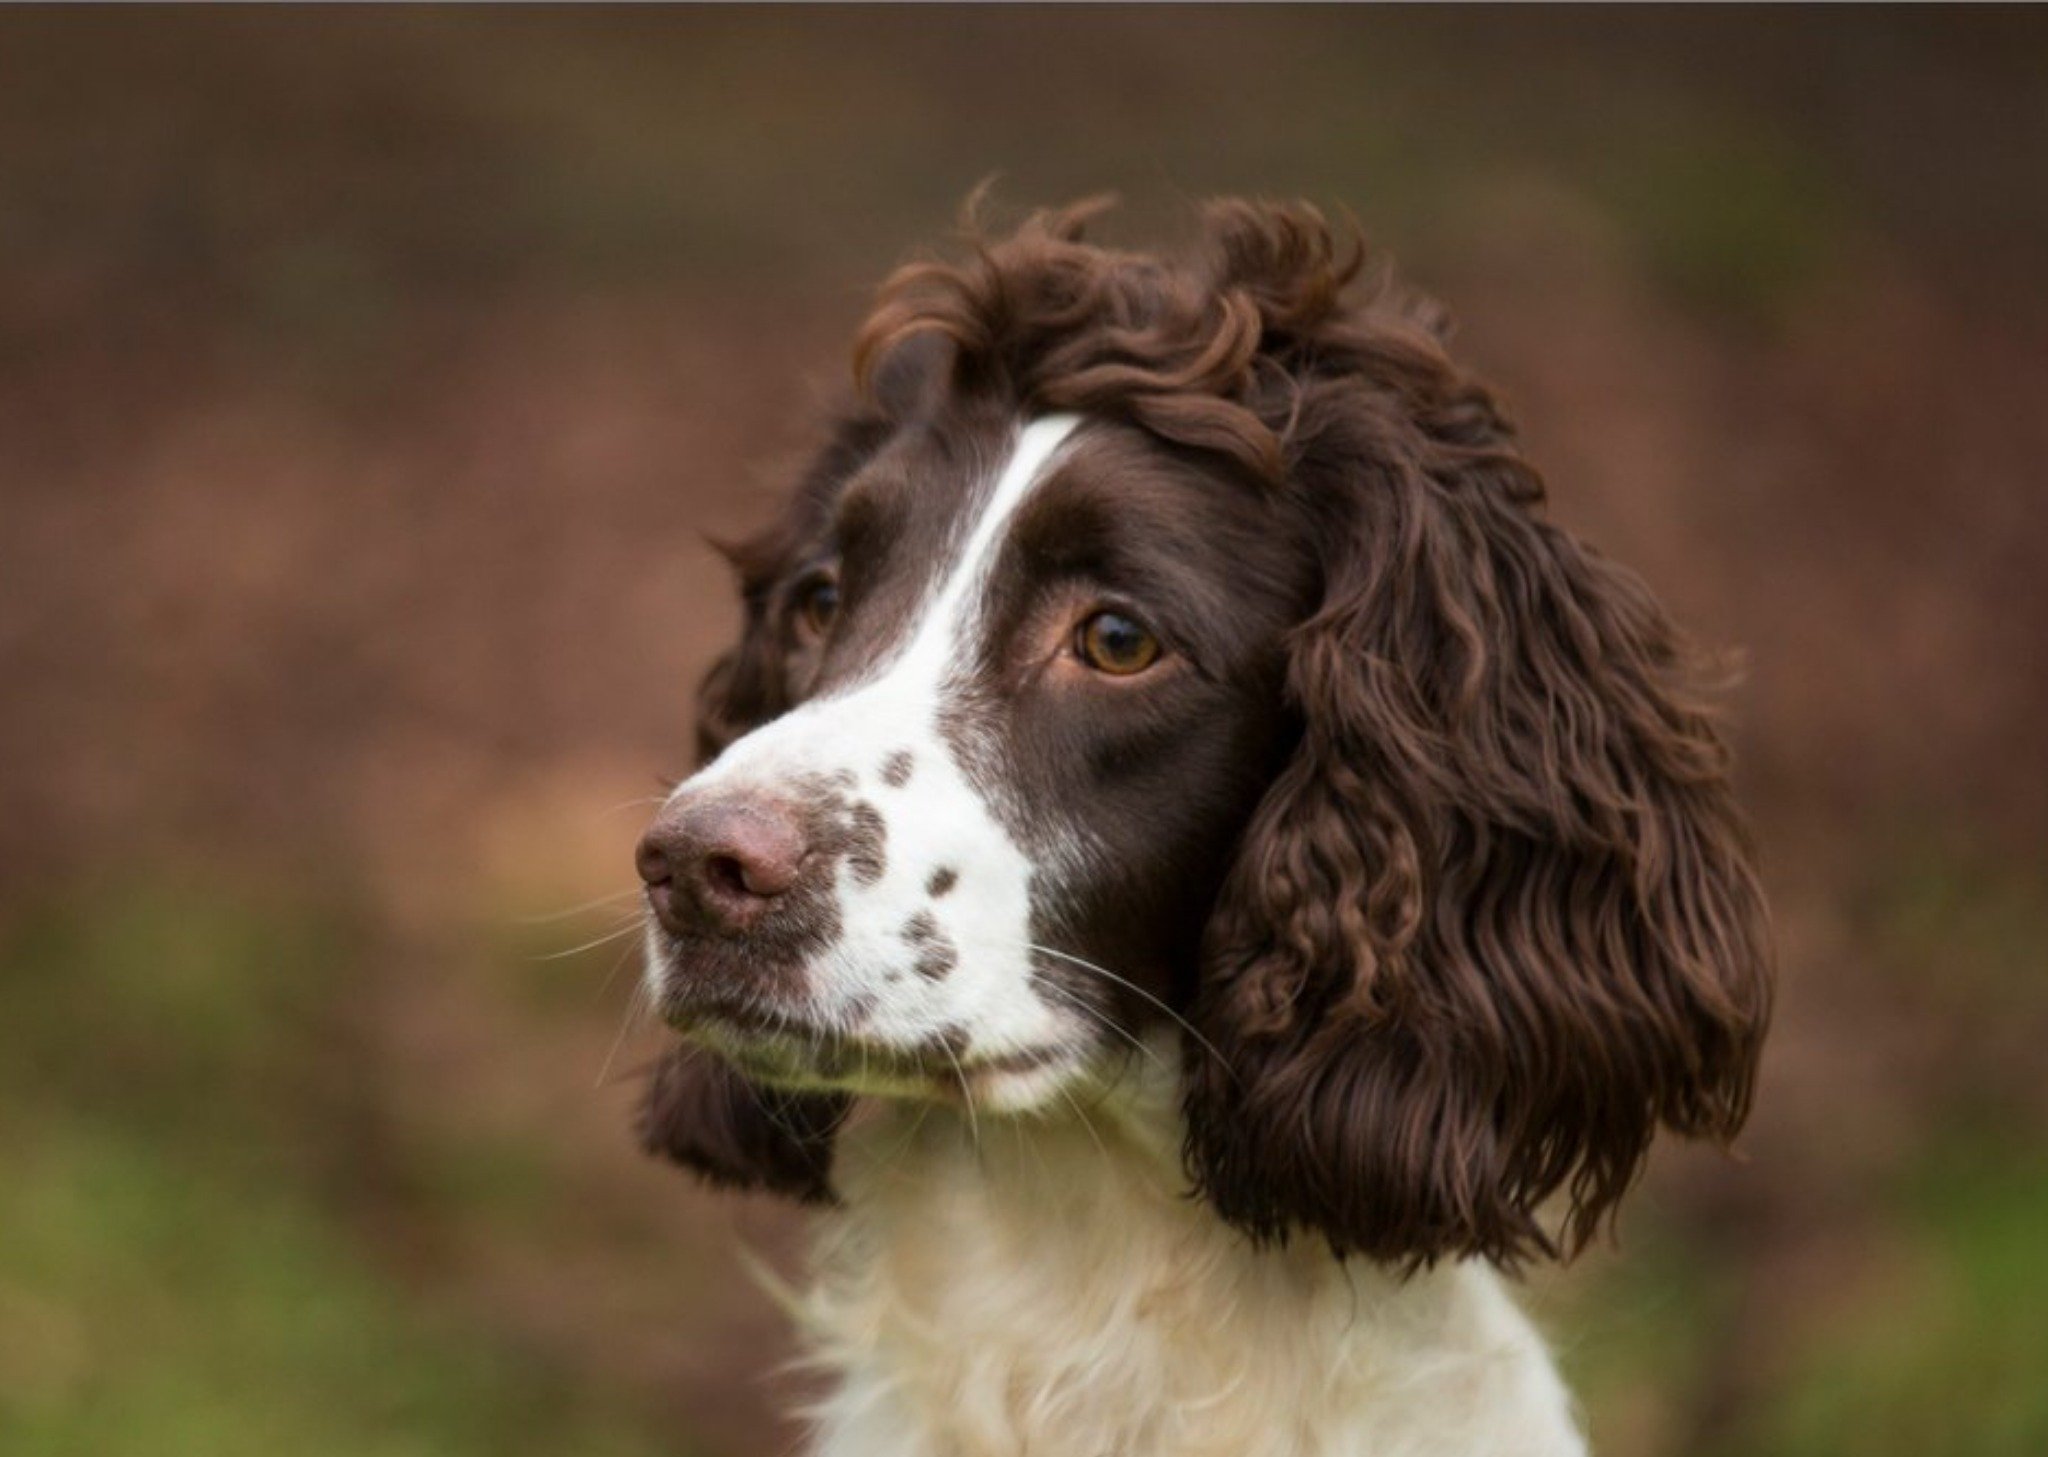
<point x="719" y="865"/>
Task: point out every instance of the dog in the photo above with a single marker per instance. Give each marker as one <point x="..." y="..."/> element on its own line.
<point x="1226" y="877"/>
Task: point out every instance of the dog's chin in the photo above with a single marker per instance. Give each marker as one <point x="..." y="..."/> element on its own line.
<point x="776" y="1034"/>
<point x="782" y="1050"/>
<point x="1016" y="1082"/>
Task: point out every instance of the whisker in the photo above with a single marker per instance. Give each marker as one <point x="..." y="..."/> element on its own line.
<point x="967" y="1097"/>
<point x="778" y="1105"/>
<point x="626" y="929"/>
<point x="1204" y="1043"/>
<point x="1082" y="1114"/>
<point x="563" y="915"/>
<point x="629" y="1073"/>
<point x="618" y="962"/>
<point x="893" y="1161"/>
<point x="1097" y="1017"/>
<point x="626" y="804"/>
<point x="637" y="1007"/>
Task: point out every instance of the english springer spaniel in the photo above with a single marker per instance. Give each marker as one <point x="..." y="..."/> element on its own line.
<point x="1258" y="879"/>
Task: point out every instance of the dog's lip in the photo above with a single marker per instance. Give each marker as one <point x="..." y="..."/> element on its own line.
<point x="779" y="1046"/>
<point x="766" y="1037"/>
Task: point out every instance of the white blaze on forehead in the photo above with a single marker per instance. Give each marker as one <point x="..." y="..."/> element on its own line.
<point x="936" y="820"/>
<point x="947" y="622"/>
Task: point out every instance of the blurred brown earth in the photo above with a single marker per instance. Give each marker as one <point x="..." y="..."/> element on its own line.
<point x="368" y="383"/>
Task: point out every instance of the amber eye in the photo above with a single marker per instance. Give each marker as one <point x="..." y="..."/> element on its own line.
<point x="1110" y="642"/>
<point x="817" y="603"/>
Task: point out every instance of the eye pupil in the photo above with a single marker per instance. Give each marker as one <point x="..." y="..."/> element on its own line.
<point x="1110" y="642"/>
<point x="820" y="604"/>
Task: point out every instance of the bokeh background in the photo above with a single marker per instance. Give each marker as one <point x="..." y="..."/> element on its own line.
<point x="369" y="380"/>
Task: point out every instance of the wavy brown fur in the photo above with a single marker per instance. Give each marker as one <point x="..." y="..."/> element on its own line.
<point x="1496" y="920"/>
<point x="700" y="1113"/>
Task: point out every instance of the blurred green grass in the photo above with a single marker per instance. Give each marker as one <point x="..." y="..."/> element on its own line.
<point x="1936" y="1346"/>
<point x="185" y="1255"/>
<point x="1948" y="1354"/>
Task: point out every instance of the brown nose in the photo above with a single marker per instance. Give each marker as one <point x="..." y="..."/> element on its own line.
<point x="719" y="864"/>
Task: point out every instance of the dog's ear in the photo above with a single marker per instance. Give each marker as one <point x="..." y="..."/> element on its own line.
<point x="744" y="687"/>
<point x="757" y="678"/>
<point x="749" y="683"/>
<point x="699" y="1113"/>
<point x="1497" y="918"/>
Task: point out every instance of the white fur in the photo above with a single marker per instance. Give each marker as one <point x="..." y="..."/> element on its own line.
<point x="1044" y="1286"/>
<point x="937" y="819"/>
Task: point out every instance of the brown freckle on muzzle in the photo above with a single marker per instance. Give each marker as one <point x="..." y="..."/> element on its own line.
<point x="896" y="769"/>
<point x="943" y="879"/>
<point x="951" y="1043"/>
<point x="936" y="954"/>
<point x="866" y="843"/>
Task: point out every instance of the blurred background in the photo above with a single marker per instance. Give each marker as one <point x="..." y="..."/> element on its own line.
<point x="367" y="384"/>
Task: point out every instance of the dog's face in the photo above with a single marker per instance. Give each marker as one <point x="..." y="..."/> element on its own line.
<point x="1182" y="644"/>
<point x="1034" y="675"/>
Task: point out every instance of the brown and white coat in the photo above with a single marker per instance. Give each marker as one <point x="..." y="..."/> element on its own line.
<point x="1246" y="864"/>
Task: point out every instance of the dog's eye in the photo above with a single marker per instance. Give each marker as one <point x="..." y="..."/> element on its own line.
<point x="1110" y="642"/>
<point x="817" y="603"/>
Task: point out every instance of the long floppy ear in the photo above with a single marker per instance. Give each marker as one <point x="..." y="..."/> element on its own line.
<point x="1497" y="918"/>
<point x="699" y="1113"/>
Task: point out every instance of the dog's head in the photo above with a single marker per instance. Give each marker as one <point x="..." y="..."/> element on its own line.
<point x="1181" y="642"/>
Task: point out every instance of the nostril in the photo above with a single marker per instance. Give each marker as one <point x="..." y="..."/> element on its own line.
<point x="727" y="875"/>
<point x="652" y="860"/>
<point x="719" y="865"/>
<point x="751" y="869"/>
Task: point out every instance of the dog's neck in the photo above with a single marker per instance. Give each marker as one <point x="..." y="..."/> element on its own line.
<point x="1047" y="1284"/>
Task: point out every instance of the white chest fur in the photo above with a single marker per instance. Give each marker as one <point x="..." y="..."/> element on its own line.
<point x="1046" y="1287"/>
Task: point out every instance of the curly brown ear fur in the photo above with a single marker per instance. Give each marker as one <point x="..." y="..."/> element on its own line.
<point x="701" y="1114"/>
<point x="1497" y="919"/>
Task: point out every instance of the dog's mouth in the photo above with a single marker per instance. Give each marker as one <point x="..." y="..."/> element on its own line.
<point x="756" y="1007"/>
<point x="790" y="1050"/>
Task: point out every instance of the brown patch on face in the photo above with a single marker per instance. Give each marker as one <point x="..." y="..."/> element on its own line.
<point x="884" y="506"/>
<point x="945" y="1047"/>
<point x="896" y="769"/>
<point x="1150" y="777"/>
<point x="936" y="954"/>
<point x="867" y="842"/>
<point x="943" y="879"/>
